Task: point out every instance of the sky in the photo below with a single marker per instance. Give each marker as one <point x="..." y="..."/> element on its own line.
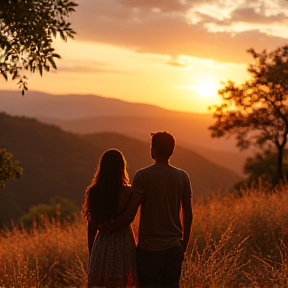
<point x="171" y="53"/>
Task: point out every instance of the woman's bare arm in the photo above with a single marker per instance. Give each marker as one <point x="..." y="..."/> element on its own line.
<point x="92" y="230"/>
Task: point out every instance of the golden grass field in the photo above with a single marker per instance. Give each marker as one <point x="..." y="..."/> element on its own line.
<point x="237" y="242"/>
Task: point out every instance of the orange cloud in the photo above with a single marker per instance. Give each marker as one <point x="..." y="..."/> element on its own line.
<point x="163" y="27"/>
<point x="88" y="69"/>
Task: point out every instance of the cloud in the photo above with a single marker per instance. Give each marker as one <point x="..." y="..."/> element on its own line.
<point x="88" y="69"/>
<point x="162" y="5"/>
<point x="178" y="63"/>
<point x="222" y="30"/>
<point x="270" y="16"/>
<point x="250" y="15"/>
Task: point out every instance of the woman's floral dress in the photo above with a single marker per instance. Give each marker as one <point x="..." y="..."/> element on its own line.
<point x="113" y="260"/>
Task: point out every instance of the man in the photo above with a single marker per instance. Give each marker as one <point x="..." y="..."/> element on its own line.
<point x="163" y="192"/>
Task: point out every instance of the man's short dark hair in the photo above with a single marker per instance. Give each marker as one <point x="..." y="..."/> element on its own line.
<point x="163" y="142"/>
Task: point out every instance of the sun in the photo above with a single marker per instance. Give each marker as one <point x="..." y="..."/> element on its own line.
<point x="207" y="88"/>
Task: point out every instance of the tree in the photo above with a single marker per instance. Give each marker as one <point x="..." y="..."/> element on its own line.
<point x="256" y="112"/>
<point x="60" y="209"/>
<point x="263" y="167"/>
<point x="8" y="168"/>
<point x="27" y="31"/>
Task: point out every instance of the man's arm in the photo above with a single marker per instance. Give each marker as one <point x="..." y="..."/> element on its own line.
<point x="92" y="230"/>
<point x="187" y="220"/>
<point x="129" y="214"/>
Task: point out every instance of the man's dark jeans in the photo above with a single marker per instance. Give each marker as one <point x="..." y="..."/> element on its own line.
<point x="160" y="268"/>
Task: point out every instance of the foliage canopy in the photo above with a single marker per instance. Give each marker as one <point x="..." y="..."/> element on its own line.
<point x="8" y="168"/>
<point x="27" y="29"/>
<point x="256" y="112"/>
<point x="59" y="208"/>
<point x="262" y="168"/>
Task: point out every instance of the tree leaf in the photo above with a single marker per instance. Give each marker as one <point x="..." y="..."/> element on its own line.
<point x="4" y="75"/>
<point x="40" y="69"/>
<point x="52" y="62"/>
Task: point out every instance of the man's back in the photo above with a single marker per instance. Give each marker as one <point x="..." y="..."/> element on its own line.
<point x="162" y="187"/>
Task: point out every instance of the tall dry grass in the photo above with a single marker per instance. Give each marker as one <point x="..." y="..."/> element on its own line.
<point x="237" y="242"/>
<point x="240" y="241"/>
<point x="51" y="256"/>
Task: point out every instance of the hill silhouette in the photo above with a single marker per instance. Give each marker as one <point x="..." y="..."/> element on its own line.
<point x="191" y="132"/>
<point x="94" y="114"/>
<point x="59" y="163"/>
<point x="205" y="175"/>
<point x="74" y="106"/>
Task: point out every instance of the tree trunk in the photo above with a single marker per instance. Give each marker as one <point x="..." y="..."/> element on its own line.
<point x="280" y="163"/>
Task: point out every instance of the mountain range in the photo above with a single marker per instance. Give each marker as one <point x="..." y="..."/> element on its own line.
<point x="61" y="163"/>
<point x="93" y="114"/>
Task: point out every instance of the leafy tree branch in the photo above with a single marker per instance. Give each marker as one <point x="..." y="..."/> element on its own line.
<point x="256" y="112"/>
<point x="27" y="31"/>
<point x="8" y="168"/>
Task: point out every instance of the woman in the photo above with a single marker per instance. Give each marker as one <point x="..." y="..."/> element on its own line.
<point x="112" y="260"/>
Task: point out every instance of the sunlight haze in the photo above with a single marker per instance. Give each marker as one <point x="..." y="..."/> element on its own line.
<point x="173" y="54"/>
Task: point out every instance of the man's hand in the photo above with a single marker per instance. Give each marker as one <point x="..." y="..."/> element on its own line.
<point x="106" y="227"/>
<point x="127" y="217"/>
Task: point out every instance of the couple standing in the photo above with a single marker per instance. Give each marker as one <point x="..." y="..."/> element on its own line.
<point x="164" y="193"/>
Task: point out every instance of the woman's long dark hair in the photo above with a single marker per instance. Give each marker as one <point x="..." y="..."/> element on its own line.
<point x="101" y="196"/>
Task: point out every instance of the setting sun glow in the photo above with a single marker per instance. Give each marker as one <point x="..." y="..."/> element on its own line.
<point x="117" y="62"/>
<point x="207" y="88"/>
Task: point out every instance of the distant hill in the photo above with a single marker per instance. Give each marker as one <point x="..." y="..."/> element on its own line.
<point x="205" y="175"/>
<point x="59" y="163"/>
<point x="73" y="106"/>
<point x="94" y="114"/>
<point x="190" y="132"/>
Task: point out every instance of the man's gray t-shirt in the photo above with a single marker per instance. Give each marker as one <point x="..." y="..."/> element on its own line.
<point x="162" y="187"/>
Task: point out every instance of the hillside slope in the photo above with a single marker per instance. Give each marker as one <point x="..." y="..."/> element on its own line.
<point x="190" y="132"/>
<point x="61" y="163"/>
<point x="77" y="106"/>
<point x="83" y="113"/>
<point x="94" y="114"/>
<point x="205" y="175"/>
